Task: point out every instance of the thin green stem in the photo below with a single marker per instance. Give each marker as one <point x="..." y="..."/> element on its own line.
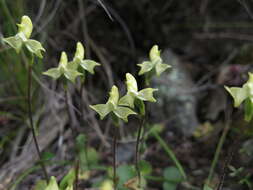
<point x="137" y="156"/>
<point x="29" y="101"/>
<point x="217" y="152"/>
<point x="169" y="151"/>
<point x="114" y="159"/>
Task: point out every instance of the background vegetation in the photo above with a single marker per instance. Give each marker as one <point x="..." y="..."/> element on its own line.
<point x="212" y="44"/>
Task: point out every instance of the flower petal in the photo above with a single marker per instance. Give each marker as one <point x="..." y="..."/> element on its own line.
<point x="15" y="42"/>
<point x="147" y="94"/>
<point x="34" y="47"/>
<point x="146" y="66"/>
<point x="89" y="65"/>
<point x="123" y="112"/>
<point x="101" y="109"/>
<point x="55" y="73"/>
<point x="160" y="67"/>
<point x="238" y="94"/>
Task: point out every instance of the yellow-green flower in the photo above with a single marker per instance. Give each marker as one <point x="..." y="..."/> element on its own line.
<point x="25" y="29"/>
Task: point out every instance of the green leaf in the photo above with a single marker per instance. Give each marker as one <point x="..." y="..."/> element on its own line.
<point x="172" y="174"/>
<point x="79" y="54"/>
<point x="15" y="42"/>
<point x="147" y="94"/>
<point x="70" y="187"/>
<point x="26" y="26"/>
<point x="89" y="65"/>
<point x="55" y="73"/>
<point x="71" y="75"/>
<point x="40" y="185"/>
<point x="52" y="184"/>
<point x="206" y="187"/>
<point x="131" y="83"/>
<point x="145" y="167"/>
<point x="125" y="173"/>
<point x="68" y="179"/>
<point x="123" y="112"/>
<point x="238" y="94"/>
<point x="92" y="156"/>
<point x="34" y="47"/>
<point x="248" y="109"/>
<point x="160" y="68"/>
<point x="127" y="100"/>
<point x="101" y="109"/>
<point x="146" y="66"/>
<point x="154" y="54"/>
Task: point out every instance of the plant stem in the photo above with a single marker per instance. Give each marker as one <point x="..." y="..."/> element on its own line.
<point x="114" y="158"/>
<point x="170" y="153"/>
<point x="77" y="166"/>
<point x="29" y="101"/>
<point x="137" y="150"/>
<point x="217" y="152"/>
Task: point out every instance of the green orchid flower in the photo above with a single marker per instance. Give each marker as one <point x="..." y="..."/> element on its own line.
<point x="243" y="94"/>
<point x="78" y="59"/>
<point x="25" y="29"/>
<point x="63" y="69"/>
<point x="112" y="105"/>
<point x="155" y="63"/>
<point x="133" y="93"/>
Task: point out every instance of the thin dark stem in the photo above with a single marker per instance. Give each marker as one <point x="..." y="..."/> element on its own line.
<point x="114" y="159"/>
<point x="228" y="161"/>
<point x="29" y="101"/>
<point x="77" y="166"/>
<point x="137" y="150"/>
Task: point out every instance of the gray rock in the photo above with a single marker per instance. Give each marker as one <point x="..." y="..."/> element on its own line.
<point x="175" y="102"/>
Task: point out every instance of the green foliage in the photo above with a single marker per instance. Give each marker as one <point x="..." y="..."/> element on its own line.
<point x="244" y="94"/>
<point x="155" y="63"/>
<point x="206" y="187"/>
<point x="68" y="179"/>
<point x="173" y="178"/>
